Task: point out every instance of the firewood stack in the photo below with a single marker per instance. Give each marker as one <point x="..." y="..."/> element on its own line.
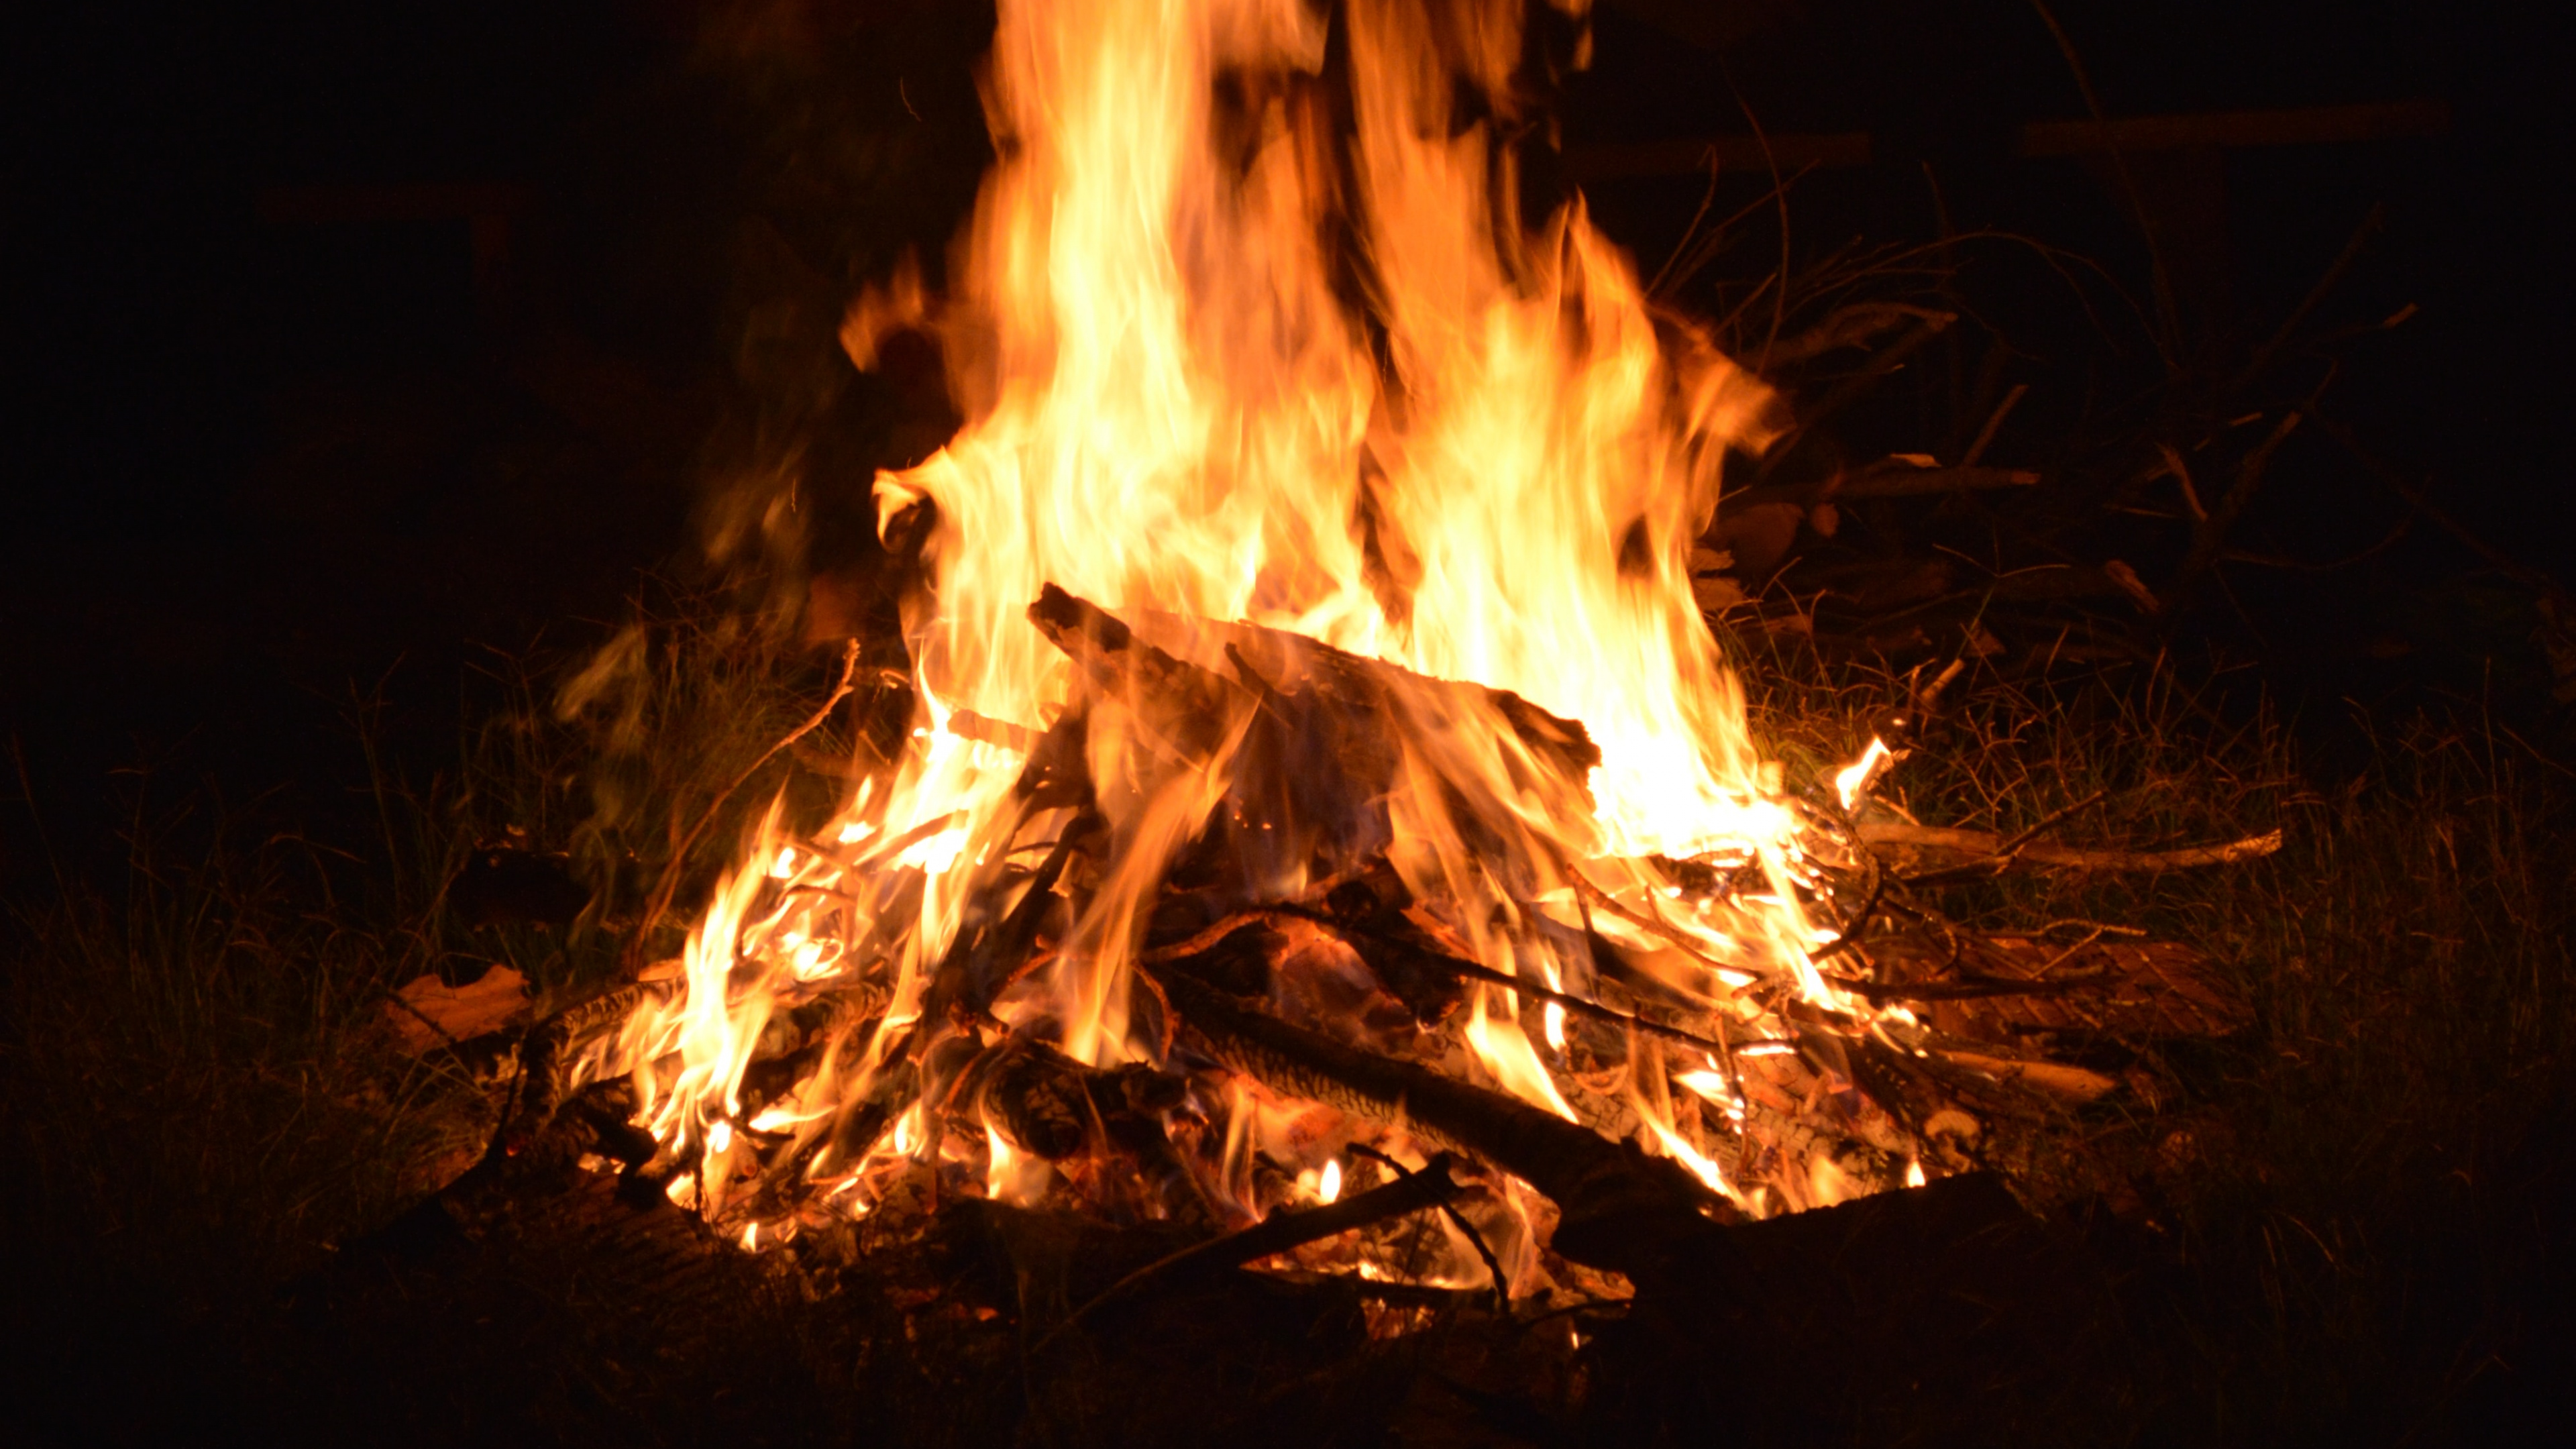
<point x="1289" y="1047"/>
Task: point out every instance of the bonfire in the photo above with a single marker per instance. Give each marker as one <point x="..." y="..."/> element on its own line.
<point x="1328" y="824"/>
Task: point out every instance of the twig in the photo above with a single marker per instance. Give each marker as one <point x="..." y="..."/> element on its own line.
<point x="1883" y="363"/>
<point x="1779" y="192"/>
<point x="2210" y="537"/>
<point x="670" y="881"/>
<point x="1437" y="960"/>
<point x="2167" y="312"/>
<point x="2013" y="846"/>
<point x="2181" y="472"/>
<point x="1916" y="482"/>
<point x="1972" y="990"/>
<point x="1994" y="422"/>
<point x="2391" y="539"/>
<point x="1183" y="949"/>
<point x="1493" y="1265"/>
<point x="1690" y="233"/>
<point x="1652" y="925"/>
<point x="2334" y="274"/>
<point x="896" y="845"/>
<point x="1859" y="921"/>
<point x="2496" y="558"/>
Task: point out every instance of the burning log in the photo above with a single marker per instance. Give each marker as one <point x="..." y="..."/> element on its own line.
<point x="1282" y="1232"/>
<point x="1622" y="1209"/>
<point x="1010" y="967"/>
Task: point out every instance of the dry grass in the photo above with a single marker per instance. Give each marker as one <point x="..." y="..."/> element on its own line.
<point x="2349" y="1239"/>
<point x="2337" y="1225"/>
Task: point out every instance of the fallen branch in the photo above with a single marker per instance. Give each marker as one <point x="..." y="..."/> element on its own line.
<point x="2055" y="1079"/>
<point x="1992" y="847"/>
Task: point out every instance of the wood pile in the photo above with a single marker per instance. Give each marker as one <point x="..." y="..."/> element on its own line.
<point x="1345" y="1005"/>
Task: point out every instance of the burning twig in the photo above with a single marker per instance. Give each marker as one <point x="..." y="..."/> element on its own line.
<point x="1484" y="1250"/>
<point x="1970" y="990"/>
<point x="1476" y="971"/>
<point x="1662" y="931"/>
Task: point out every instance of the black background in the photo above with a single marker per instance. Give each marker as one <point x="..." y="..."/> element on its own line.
<point x="253" y="461"/>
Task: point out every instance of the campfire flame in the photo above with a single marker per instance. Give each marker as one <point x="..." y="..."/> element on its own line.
<point x="1259" y="357"/>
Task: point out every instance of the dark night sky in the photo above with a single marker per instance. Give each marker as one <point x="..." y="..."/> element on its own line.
<point x="252" y="460"/>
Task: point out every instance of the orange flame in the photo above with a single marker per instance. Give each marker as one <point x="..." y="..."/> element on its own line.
<point x="1249" y="330"/>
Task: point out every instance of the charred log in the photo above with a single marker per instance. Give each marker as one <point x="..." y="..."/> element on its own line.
<point x="1622" y="1210"/>
<point x="1282" y="1231"/>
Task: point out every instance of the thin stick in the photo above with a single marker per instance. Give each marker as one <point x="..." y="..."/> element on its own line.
<point x="1987" y="843"/>
<point x="2496" y="558"/>
<point x="2334" y="274"/>
<point x="1690" y="233"/>
<point x="1994" y="422"/>
<point x="2167" y="312"/>
<point x="887" y="849"/>
<point x="1852" y="928"/>
<point x="1880" y="365"/>
<point x="1650" y="924"/>
<point x="1280" y="1232"/>
<point x="1477" y="970"/>
<point x="1951" y="990"/>
<point x="2013" y="846"/>
<point x="670" y="882"/>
